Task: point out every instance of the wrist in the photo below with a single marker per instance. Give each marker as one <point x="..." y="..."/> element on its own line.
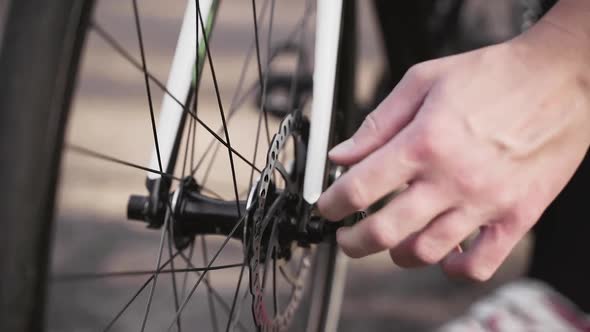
<point x="557" y="52"/>
<point x="547" y="46"/>
<point x="561" y="38"/>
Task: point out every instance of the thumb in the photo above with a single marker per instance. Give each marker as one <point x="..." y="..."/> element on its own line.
<point x="390" y="117"/>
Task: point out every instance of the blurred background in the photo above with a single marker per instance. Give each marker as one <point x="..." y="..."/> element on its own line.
<point x="110" y="116"/>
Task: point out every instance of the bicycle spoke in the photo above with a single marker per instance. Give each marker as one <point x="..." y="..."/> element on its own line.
<point x="291" y="103"/>
<point x="255" y="154"/>
<point x="237" y="103"/>
<point x="194" y="134"/>
<point x="190" y="140"/>
<point x="145" y="284"/>
<point x="233" y="110"/>
<point x="147" y="81"/>
<point x="155" y="279"/>
<point x="173" y="277"/>
<point x="217" y="134"/>
<point x="215" y="294"/>
<point x="197" y="80"/>
<point x="260" y="79"/>
<point x="73" y="277"/>
<point x="194" y="288"/>
<point x="186" y="145"/>
<point x="201" y="272"/>
<point x="275" y="300"/>
<point x="239" y="309"/>
<point x="220" y="140"/>
<point x="263" y="83"/>
<point x="87" y="152"/>
<point x="236" y="294"/>
<point x="185" y="277"/>
<point x="221" y="113"/>
<point x="257" y="43"/>
<point x="154" y="130"/>
<point x="212" y="312"/>
<point x="119" y="49"/>
<point x="286" y="276"/>
<point x="210" y="192"/>
<point x="210" y="166"/>
<point x="298" y="66"/>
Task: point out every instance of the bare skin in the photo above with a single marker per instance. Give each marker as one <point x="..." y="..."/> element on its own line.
<point x="484" y="140"/>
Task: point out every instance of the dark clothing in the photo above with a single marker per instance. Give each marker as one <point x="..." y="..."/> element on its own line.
<point x="562" y="241"/>
<point x="547" y="4"/>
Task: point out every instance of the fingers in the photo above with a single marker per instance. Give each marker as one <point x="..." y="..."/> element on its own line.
<point x="390" y="117"/>
<point x="407" y="213"/>
<point x="487" y="252"/>
<point x="435" y="241"/>
<point x="366" y="182"/>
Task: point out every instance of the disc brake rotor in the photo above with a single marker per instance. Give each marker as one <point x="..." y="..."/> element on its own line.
<point x="267" y="208"/>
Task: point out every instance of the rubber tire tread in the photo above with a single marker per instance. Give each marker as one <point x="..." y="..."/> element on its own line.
<point x="38" y="62"/>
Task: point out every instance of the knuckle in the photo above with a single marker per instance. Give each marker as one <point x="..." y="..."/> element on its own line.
<point x="406" y="213"/>
<point x="350" y="249"/>
<point x="505" y="198"/>
<point x="426" y="252"/>
<point x="380" y="234"/>
<point x="424" y="144"/>
<point x="470" y="183"/>
<point x="355" y="193"/>
<point x="418" y="72"/>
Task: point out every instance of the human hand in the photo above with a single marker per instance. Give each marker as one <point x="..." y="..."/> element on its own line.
<point x="484" y="140"/>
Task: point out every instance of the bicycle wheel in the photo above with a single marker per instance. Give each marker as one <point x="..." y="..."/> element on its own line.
<point x="200" y="276"/>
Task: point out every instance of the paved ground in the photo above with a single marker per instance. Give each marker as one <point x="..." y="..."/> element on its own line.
<point x="111" y="116"/>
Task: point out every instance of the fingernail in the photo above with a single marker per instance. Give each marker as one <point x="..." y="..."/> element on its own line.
<point x="342" y="148"/>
